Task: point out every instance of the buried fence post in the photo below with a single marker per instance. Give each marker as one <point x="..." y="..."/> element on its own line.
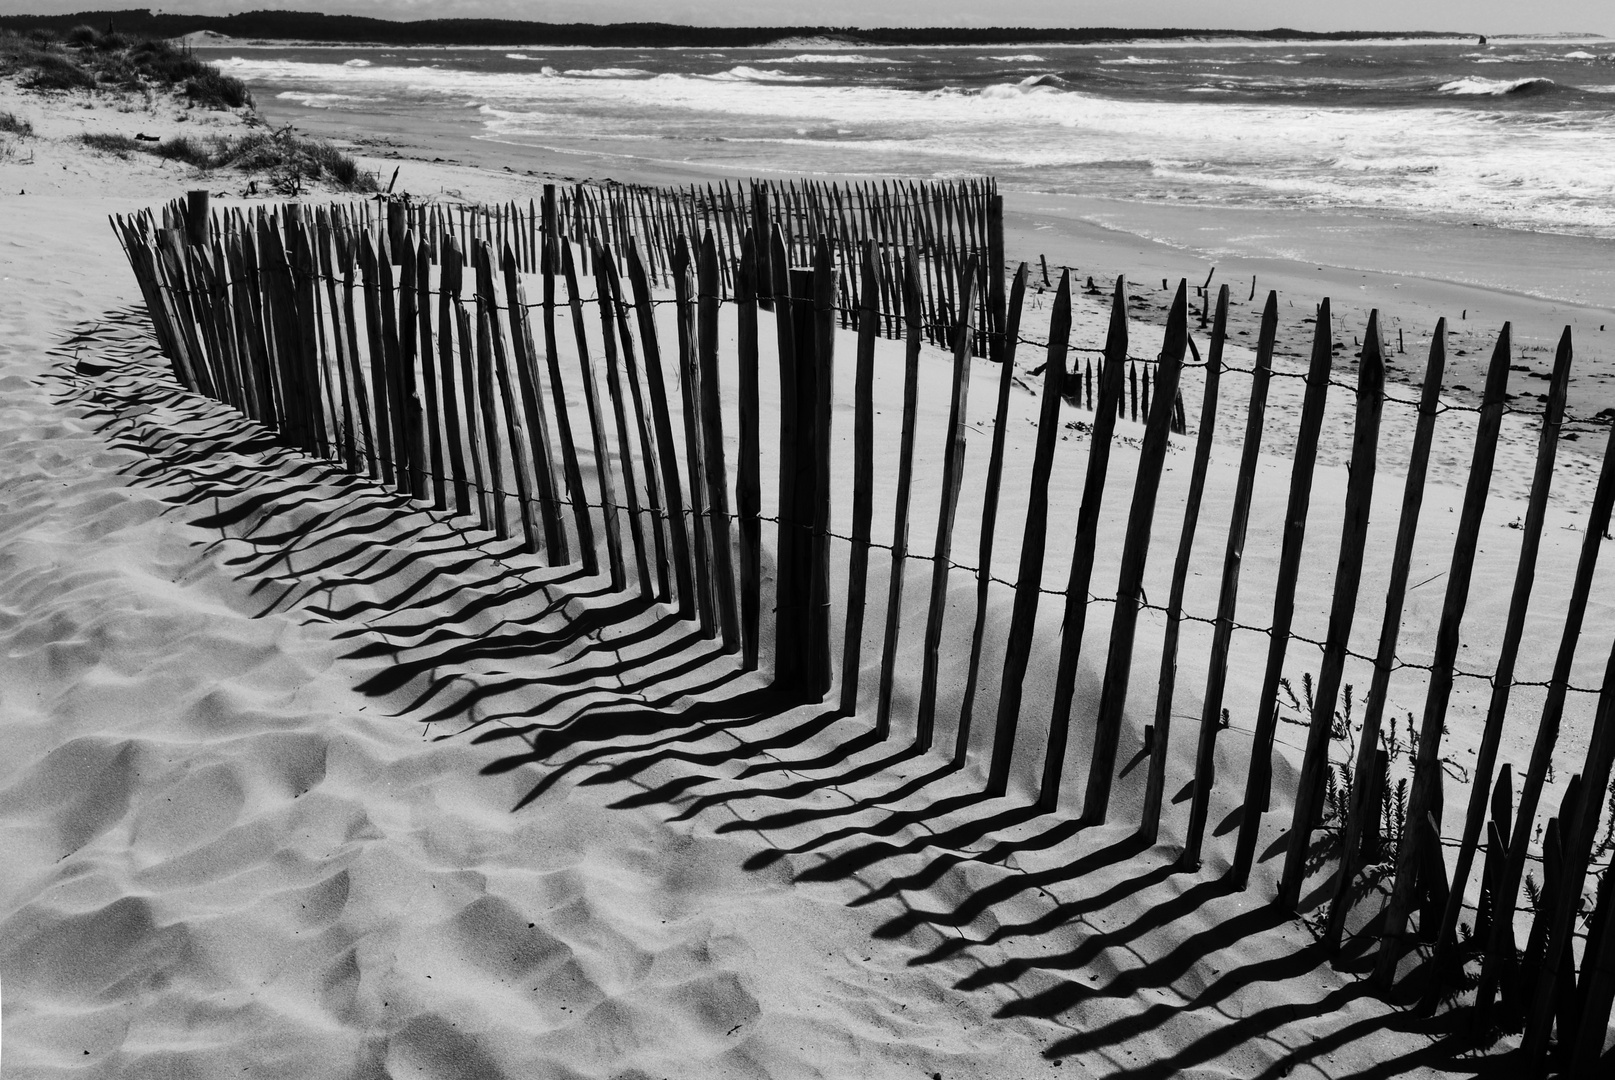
<point x="1007" y="335"/>
<point x="1259" y="778"/>
<point x="597" y="426"/>
<point x="748" y="480"/>
<point x="619" y="414"/>
<point x="1155" y="784"/>
<point x="795" y="347"/>
<point x="1348" y="576"/>
<point x="1130" y="585"/>
<point x="863" y="478"/>
<point x="1578" y="825"/>
<point x="1503" y="678"/>
<point x="953" y="460"/>
<point x="662" y="424"/>
<point x="1029" y="581"/>
<point x="642" y="426"/>
<point x="913" y="314"/>
<point x="1111" y="389"/>
<point x="1446" y="652"/>
<point x="689" y="383"/>
<point x="709" y="405"/>
<point x="1500" y="947"/>
<point x="197" y="223"/>
<point x="1362" y="814"/>
<point x="515" y="427"/>
<point x="448" y="299"/>
<point x="571" y="471"/>
<point x="525" y="356"/>
<point x="816" y="411"/>
<point x="1205" y="765"/>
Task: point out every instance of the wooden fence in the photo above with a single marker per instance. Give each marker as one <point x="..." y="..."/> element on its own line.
<point x="417" y="362"/>
<point x="942" y="225"/>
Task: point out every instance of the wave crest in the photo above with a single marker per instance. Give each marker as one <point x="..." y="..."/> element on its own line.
<point x="1478" y="87"/>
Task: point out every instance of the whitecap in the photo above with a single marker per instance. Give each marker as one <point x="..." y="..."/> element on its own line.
<point x="1476" y="86"/>
<point x="319" y="101"/>
<point x="837" y="58"/>
<point x="1019" y="58"/>
<point x="743" y="73"/>
<point x="606" y="73"/>
<point x="356" y="63"/>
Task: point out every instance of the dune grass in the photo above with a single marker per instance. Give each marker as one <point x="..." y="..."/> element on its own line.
<point x="87" y="59"/>
<point x="289" y="161"/>
<point x="14" y="125"/>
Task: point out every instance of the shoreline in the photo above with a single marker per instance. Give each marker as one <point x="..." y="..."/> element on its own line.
<point x="1150" y="242"/>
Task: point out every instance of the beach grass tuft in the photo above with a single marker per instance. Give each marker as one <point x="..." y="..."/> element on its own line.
<point x="289" y="162"/>
<point x="14" y="125"/>
<point x="109" y="143"/>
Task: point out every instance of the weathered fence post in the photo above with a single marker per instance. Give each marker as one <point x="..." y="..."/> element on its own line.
<point x="197" y="222"/>
<point x="953" y="459"/>
<point x="1029" y="581"/>
<point x="1362" y="815"/>
<point x="1348" y="575"/>
<point x="1008" y="333"/>
<point x="863" y="478"/>
<point x="666" y="447"/>
<point x="710" y="407"/>
<point x="1427" y="767"/>
<point x="1155" y="782"/>
<point x="748" y="479"/>
<point x="816" y="409"/>
<point x="1500" y="945"/>
<point x="1111" y="390"/>
<point x="914" y="333"/>
<point x="1503" y="678"/>
<point x="1130" y="585"/>
<point x="795" y="348"/>
<point x="1205" y="765"/>
<point x="1259" y="778"/>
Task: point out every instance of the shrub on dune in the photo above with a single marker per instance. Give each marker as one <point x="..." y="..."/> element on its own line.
<point x="113" y="60"/>
<point x="53" y="71"/>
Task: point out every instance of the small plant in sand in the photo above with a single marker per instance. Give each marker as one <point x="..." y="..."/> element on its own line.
<point x="11" y="124"/>
<point x="1401" y="746"/>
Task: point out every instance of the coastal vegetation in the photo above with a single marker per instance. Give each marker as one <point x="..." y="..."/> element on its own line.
<point x="87" y="59"/>
<point x="84" y="59"/>
<point x="289" y="162"/>
<point x="11" y="124"/>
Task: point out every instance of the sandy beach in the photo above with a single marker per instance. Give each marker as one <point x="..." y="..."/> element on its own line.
<point x="305" y="781"/>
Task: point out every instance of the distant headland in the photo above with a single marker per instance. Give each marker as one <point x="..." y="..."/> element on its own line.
<point x="351" y="29"/>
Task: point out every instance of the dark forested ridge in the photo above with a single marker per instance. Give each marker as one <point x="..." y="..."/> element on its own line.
<point x="313" y="26"/>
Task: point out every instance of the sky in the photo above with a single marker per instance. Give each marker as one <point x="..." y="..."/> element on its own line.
<point x="1478" y="16"/>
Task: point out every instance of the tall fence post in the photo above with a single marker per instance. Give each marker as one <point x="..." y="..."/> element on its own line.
<point x="817" y="413"/>
<point x="1259" y="777"/>
<point x="1427" y="767"/>
<point x="1130" y="585"/>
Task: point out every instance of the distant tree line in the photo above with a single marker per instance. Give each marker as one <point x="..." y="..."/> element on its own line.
<point x="314" y="26"/>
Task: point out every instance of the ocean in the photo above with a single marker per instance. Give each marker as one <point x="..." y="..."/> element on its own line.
<point x="1519" y="134"/>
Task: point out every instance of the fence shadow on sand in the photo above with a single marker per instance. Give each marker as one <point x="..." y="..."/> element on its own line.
<point x="467" y="635"/>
